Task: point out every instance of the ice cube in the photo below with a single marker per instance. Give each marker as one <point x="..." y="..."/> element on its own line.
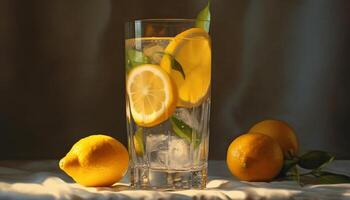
<point x="153" y="141"/>
<point x="179" y="153"/>
<point x="156" y="149"/>
<point x="188" y="116"/>
<point x="154" y="52"/>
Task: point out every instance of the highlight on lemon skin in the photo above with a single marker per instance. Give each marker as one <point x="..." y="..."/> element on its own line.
<point x="254" y="157"/>
<point x="96" y="161"/>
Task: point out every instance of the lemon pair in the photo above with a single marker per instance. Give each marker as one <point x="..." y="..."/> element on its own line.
<point x="154" y="91"/>
<point x="258" y="155"/>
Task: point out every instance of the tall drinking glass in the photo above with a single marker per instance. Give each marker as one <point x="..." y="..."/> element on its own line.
<point x="168" y="76"/>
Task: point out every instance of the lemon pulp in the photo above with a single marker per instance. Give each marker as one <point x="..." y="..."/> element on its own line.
<point x="151" y="94"/>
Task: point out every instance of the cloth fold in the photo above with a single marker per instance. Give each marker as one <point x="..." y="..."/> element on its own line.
<point x="43" y="180"/>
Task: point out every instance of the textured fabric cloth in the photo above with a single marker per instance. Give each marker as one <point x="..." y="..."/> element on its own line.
<point x="43" y="180"/>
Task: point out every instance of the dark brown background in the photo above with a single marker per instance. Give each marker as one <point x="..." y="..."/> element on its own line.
<point x="61" y="70"/>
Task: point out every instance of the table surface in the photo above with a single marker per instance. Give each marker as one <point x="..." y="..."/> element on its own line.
<point x="43" y="180"/>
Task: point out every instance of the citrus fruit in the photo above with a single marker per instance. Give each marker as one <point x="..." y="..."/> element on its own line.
<point x="152" y="95"/>
<point x="96" y="160"/>
<point x="281" y="132"/>
<point x="192" y="50"/>
<point x="254" y="157"/>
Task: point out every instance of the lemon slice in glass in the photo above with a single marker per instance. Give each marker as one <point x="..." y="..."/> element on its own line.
<point x="192" y="49"/>
<point x="152" y="95"/>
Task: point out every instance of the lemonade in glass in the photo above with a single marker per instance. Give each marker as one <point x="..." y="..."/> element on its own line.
<point x="168" y="78"/>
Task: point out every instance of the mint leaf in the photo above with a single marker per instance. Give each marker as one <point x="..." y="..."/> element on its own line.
<point x="315" y="159"/>
<point x="135" y="57"/>
<point x="203" y="18"/>
<point x="184" y="131"/>
<point x="181" y="129"/>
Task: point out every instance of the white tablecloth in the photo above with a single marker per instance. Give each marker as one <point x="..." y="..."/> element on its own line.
<point x="43" y="180"/>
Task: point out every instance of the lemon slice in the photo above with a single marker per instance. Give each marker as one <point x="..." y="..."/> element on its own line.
<point x="192" y="49"/>
<point x="152" y="95"/>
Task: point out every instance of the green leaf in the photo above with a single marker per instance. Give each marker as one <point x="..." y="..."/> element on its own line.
<point x="332" y="178"/>
<point x="315" y="159"/>
<point x="287" y="166"/>
<point x="181" y="129"/>
<point x="136" y="57"/>
<point x="203" y="18"/>
<point x="184" y="131"/>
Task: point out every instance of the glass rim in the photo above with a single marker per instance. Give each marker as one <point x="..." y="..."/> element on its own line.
<point x="164" y="20"/>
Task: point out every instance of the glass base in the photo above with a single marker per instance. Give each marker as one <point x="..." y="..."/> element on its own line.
<point x="161" y="179"/>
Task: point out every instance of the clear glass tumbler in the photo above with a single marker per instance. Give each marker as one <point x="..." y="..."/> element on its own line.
<point x="168" y="78"/>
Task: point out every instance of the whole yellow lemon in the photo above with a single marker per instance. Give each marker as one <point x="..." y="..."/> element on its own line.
<point x="96" y="161"/>
<point x="254" y="157"/>
<point x="281" y="132"/>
